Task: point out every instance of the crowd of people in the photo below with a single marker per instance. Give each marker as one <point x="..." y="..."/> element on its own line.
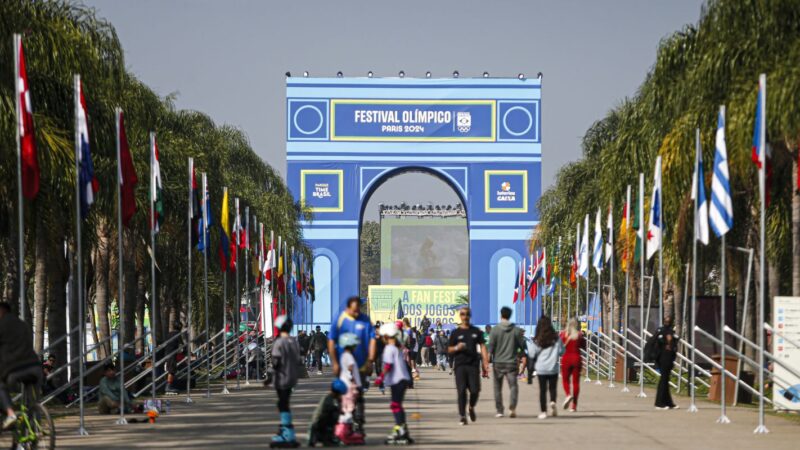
<point x="386" y="355"/>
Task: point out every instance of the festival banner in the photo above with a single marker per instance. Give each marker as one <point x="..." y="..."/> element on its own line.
<point x="437" y="303"/>
<point x="786" y="348"/>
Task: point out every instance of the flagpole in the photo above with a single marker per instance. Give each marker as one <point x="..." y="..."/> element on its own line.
<point x="762" y="187"/>
<point x="588" y="379"/>
<point x="247" y="288"/>
<point x="78" y="242"/>
<point x="560" y="296"/>
<point x="23" y="305"/>
<point x="120" y="296"/>
<point x="237" y="298"/>
<point x="153" y="265"/>
<point x="692" y="393"/>
<point x="642" y="325"/>
<point x="627" y="282"/>
<point x="599" y="302"/>
<point x="611" y="329"/>
<point x="660" y="253"/>
<point x="206" y="215"/>
<point x="190" y="211"/>
<point x="224" y="306"/>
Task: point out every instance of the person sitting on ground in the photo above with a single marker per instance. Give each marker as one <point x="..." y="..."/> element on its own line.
<point x="547" y="348"/>
<point x="112" y="392"/>
<point x="326" y="417"/>
<point x="18" y="361"/>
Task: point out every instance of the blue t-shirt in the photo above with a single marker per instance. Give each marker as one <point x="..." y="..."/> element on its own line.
<point x="361" y="327"/>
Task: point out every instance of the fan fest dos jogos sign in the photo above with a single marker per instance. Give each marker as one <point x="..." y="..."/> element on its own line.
<point x="437" y="303"/>
<point x="481" y="136"/>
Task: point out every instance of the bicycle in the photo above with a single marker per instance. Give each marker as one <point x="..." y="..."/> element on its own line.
<point x="34" y="428"/>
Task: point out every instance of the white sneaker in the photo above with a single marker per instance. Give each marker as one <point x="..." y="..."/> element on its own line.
<point x="542" y="416"/>
<point x="499" y="415"/>
<point x="9" y="422"/>
<point x="553" y="409"/>
<point x="567" y="401"/>
<point x="319" y="372"/>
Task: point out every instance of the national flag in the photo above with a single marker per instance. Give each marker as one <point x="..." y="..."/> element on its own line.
<point x="87" y="182"/>
<point x="204" y="224"/>
<point x="311" y="289"/>
<point x="517" y="277"/>
<point x="762" y="157"/>
<point x="127" y="173"/>
<point x="699" y="195"/>
<point x="637" y="226"/>
<point x="29" y="161"/>
<point x="552" y="274"/>
<point x="610" y="243"/>
<point x="655" y="226"/>
<point x="583" y="262"/>
<point x="194" y="204"/>
<point x="400" y="312"/>
<point x="721" y="209"/>
<point x="224" y="250"/>
<point x="624" y="237"/>
<point x="597" y="253"/>
<point x="573" y="272"/>
<point x="156" y="187"/>
<point x="269" y="262"/>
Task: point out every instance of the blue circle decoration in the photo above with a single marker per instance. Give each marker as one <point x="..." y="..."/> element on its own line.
<point x="297" y="113"/>
<point x="505" y="121"/>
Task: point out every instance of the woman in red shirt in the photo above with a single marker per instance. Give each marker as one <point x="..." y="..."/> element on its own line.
<point x="573" y="341"/>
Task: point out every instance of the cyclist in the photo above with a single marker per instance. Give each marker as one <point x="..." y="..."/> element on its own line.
<point x="18" y="361"/>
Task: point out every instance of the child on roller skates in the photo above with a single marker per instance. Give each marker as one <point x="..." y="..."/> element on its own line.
<point x="395" y="375"/>
<point x="326" y="417"/>
<point x="286" y="361"/>
<point x="350" y="376"/>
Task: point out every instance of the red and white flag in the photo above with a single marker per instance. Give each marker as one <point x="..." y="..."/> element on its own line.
<point x="27" y="140"/>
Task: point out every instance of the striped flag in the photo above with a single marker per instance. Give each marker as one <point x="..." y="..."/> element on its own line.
<point x="517" y="276"/>
<point x="762" y="156"/>
<point x="721" y="214"/>
<point x="597" y="252"/>
<point x="155" y="186"/>
<point x="224" y="250"/>
<point x="610" y="242"/>
<point x="699" y="193"/>
<point x="583" y="262"/>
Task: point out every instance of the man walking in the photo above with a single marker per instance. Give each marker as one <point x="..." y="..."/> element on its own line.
<point x="505" y="344"/>
<point x="318" y="343"/>
<point x="468" y="348"/>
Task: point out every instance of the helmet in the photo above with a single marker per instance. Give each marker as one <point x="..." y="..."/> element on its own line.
<point x="339" y="386"/>
<point x="348" y="340"/>
<point x="389" y="330"/>
<point x="283" y="323"/>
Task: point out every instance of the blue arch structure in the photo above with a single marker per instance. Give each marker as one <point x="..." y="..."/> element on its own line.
<point x="346" y="136"/>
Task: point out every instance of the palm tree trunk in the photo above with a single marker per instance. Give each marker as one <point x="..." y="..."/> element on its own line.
<point x="57" y="305"/>
<point x="101" y="275"/>
<point x="130" y="288"/>
<point x="11" y="276"/>
<point x="795" y="229"/>
<point x="40" y="284"/>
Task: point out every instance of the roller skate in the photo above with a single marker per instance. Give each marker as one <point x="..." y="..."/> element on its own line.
<point x="285" y="437"/>
<point x="344" y="432"/>
<point x="399" y="436"/>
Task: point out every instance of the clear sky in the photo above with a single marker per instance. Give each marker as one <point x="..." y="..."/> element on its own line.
<point x="227" y="58"/>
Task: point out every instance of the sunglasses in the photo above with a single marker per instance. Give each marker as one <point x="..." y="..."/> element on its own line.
<point x="464" y="314"/>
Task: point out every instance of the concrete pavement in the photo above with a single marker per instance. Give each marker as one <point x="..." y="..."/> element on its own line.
<point x="606" y="419"/>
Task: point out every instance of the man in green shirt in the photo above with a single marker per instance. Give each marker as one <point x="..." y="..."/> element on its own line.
<point x="111" y="392"/>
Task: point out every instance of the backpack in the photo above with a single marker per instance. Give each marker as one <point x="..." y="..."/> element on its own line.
<point x="652" y="349"/>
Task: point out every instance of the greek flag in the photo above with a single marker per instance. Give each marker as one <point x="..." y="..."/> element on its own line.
<point x="597" y="254"/>
<point x="721" y="208"/>
<point x="583" y="256"/>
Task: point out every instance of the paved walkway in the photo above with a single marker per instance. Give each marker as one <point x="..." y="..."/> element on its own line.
<point x="606" y="419"/>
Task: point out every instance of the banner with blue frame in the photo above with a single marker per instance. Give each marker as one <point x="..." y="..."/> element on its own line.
<point x="413" y="120"/>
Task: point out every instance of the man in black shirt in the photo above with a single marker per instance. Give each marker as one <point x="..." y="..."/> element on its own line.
<point x="18" y="361"/>
<point x="468" y="359"/>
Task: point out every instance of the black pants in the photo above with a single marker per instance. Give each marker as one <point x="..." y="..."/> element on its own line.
<point x="664" y="365"/>
<point x="318" y="359"/>
<point x="398" y="395"/>
<point x="283" y="399"/>
<point x="468" y="378"/>
<point x="547" y="383"/>
<point x="359" y="415"/>
<point x="30" y="375"/>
